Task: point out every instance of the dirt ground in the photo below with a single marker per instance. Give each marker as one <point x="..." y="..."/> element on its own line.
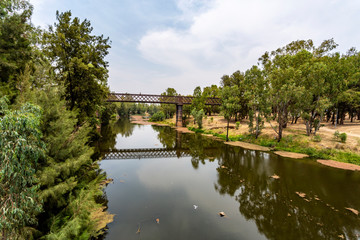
<point x="218" y="124"/>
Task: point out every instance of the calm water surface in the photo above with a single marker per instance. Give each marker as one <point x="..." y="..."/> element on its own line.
<point x="172" y="172"/>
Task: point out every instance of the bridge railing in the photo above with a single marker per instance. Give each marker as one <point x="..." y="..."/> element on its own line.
<point x="148" y="98"/>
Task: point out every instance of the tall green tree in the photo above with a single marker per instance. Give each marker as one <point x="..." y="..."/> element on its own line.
<point x="15" y="43"/>
<point x="257" y="93"/>
<point x="169" y="109"/>
<point x="230" y="99"/>
<point x="21" y="147"/>
<point x="79" y="63"/>
<point x="212" y="92"/>
<point x="238" y="79"/>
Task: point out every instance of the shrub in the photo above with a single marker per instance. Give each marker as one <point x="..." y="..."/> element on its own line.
<point x="157" y="117"/>
<point x="340" y="136"/>
<point x="343" y="137"/>
<point x="317" y="138"/>
<point x="237" y="125"/>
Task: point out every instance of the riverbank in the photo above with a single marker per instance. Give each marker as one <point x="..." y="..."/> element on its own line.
<point x="295" y="143"/>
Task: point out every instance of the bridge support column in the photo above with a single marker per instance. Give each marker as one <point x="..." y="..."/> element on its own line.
<point x="179" y="115"/>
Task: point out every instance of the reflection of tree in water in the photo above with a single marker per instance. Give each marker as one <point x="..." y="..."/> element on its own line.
<point x="109" y="132"/>
<point x="166" y="136"/>
<point x="273" y="204"/>
<point x="123" y="127"/>
<point x="199" y="147"/>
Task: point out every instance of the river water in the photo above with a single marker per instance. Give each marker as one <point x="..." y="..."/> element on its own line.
<point x="169" y="185"/>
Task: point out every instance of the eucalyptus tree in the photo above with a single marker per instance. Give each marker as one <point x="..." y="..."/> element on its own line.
<point x="257" y="93"/>
<point x="21" y="147"/>
<point x="238" y="79"/>
<point x="283" y="77"/>
<point x="169" y="109"/>
<point x="198" y="105"/>
<point x="230" y="99"/>
<point x="79" y="63"/>
<point x="213" y="91"/>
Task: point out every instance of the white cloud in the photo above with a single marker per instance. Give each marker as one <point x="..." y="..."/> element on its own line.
<point x="228" y="35"/>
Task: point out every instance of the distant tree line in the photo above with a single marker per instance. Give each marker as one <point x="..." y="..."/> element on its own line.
<point x="296" y="81"/>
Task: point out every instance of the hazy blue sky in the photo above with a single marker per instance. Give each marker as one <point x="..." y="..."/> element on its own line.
<point x="187" y="43"/>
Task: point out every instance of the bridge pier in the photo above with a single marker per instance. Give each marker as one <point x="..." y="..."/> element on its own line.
<point x="179" y="115"/>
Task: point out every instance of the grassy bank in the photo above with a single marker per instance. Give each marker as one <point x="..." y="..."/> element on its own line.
<point x="297" y="143"/>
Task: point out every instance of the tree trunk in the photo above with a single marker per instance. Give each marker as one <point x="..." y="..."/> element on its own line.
<point x="280" y="121"/>
<point x="227" y="130"/>
<point x="296" y="119"/>
<point x="308" y="130"/>
<point x="336" y="118"/>
<point x="257" y="132"/>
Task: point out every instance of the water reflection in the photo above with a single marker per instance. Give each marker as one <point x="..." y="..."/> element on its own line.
<point x="309" y="201"/>
<point x="278" y="206"/>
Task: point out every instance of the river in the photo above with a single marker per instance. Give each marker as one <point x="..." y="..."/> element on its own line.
<point x="169" y="185"/>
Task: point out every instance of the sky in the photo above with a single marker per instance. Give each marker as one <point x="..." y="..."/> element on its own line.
<point x="156" y="44"/>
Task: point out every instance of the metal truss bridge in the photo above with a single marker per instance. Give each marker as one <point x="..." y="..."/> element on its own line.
<point x="179" y="101"/>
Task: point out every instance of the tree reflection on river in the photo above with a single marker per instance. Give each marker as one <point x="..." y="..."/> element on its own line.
<point x="308" y="201"/>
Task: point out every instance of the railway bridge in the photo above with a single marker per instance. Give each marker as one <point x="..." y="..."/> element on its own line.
<point x="179" y="101"/>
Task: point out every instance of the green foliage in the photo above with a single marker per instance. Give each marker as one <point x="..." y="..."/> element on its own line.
<point x="79" y="63"/>
<point x="198" y="116"/>
<point x="169" y="109"/>
<point x="230" y="99"/>
<point x="343" y="137"/>
<point x="15" y="43"/>
<point x="237" y="125"/>
<point x="107" y="111"/>
<point x="158" y="117"/>
<point x="317" y="138"/>
<point x="66" y="170"/>
<point x="21" y="147"/>
<point x="199" y="99"/>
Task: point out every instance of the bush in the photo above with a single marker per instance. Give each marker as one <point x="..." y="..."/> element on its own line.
<point x="237" y="125"/>
<point x="157" y="117"/>
<point x="340" y="136"/>
<point x="317" y="138"/>
<point x="343" y="137"/>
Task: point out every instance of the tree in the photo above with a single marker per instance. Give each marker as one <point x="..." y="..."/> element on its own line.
<point x="79" y="64"/>
<point x="211" y="92"/>
<point x="238" y="79"/>
<point x="169" y="109"/>
<point x="199" y="99"/>
<point x="257" y="93"/>
<point x="230" y="99"/>
<point x="21" y="146"/>
<point x="198" y="116"/>
<point x="15" y="43"/>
